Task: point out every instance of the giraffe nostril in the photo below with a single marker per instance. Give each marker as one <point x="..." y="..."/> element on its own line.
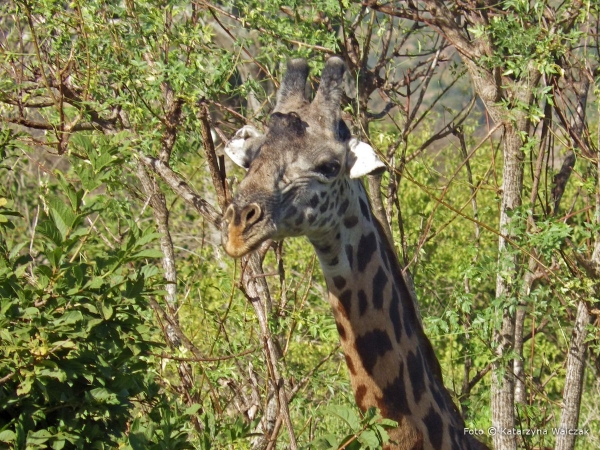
<point x="229" y="214"/>
<point x="250" y="214"/>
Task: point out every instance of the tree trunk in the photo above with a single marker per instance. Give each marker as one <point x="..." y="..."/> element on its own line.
<point x="503" y="416"/>
<point x="569" y="417"/>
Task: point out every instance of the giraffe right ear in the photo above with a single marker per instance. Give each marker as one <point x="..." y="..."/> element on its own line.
<point x="244" y="146"/>
<point x="362" y="159"/>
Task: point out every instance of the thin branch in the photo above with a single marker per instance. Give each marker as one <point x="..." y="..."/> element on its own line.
<point x="181" y="188"/>
<point x="213" y="359"/>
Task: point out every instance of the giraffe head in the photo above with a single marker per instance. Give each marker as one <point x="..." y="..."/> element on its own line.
<point x="297" y="169"/>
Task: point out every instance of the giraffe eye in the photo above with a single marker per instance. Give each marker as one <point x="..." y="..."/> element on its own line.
<point x="328" y="169"/>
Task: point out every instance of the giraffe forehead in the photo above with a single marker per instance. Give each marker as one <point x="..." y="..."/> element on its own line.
<point x="299" y="131"/>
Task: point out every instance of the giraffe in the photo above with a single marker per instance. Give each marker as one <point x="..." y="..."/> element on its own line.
<point x="303" y="179"/>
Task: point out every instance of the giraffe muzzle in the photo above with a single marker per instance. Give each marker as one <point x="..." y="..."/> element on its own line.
<point x="237" y="228"/>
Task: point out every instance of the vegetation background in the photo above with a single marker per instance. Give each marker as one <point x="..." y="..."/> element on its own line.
<point x="124" y="325"/>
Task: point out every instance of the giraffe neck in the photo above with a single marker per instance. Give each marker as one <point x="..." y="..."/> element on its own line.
<point x="391" y="362"/>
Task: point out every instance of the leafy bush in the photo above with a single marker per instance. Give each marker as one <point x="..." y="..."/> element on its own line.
<point x="75" y="327"/>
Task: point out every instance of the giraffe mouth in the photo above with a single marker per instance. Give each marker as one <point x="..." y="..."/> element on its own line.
<point x="238" y="242"/>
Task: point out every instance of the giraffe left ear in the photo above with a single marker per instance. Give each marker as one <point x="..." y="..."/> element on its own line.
<point x="362" y="160"/>
<point x="244" y="146"/>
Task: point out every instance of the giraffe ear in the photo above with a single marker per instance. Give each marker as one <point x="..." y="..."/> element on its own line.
<point x="362" y="160"/>
<point x="244" y="146"/>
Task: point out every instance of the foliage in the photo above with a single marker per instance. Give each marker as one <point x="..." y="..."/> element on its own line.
<point x="89" y="89"/>
<point x="76" y="331"/>
<point x="367" y="432"/>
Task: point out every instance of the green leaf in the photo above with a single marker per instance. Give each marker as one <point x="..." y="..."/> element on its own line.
<point x="107" y="310"/>
<point x="59" y="444"/>
<point x="190" y="411"/>
<point x="95" y="283"/>
<point x="38" y="437"/>
<point x="7" y="436"/>
<point x="73" y="195"/>
<point x="25" y="386"/>
<point x="369" y="439"/>
<point x="63" y="216"/>
<point x="49" y="230"/>
<point x="134" y="288"/>
<point x="148" y="253"/>
<point x="150" y="237"/>
<point x="347" y="414"/>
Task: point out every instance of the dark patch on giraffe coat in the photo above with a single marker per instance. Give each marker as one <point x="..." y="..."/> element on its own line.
<point x="350" y="255"/>
<point x="435" y="427"/>
<point x="350" y="365"/>
<point x="324" y="248"/>
<point x="341" y="330"/>
<point x="291" y="211"/>
<point x="334" y="261"/>
<point x="311" y="218"/>
<point x="345" y="299"/>
<point x="299" y="221"/>
<point x="395" y="315"/>
<point x="339" y="282"/>
<point x="359" y="395"/>
<point x="314" y="201"/>
<point x="414" y="364"/>
<point x="395" y="395"/>
<point x="366" y="247"/>
<point x="371" y="346"/>
<point x="409" y="318"/>
<point x="436" y="394"/>
<point x="384" y="255"/>
<point x="343" y="207"/>
<point x="379" y="282"/>
<point x="350" y="222"/>
<point x="364" y="208"/>
<point x="324" y="206"/>
<point x="362" y="302"/>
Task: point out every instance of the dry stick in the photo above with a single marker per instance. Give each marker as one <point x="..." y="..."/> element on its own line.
<point x="161" y="217"/>
<point x="181" y="188"/>
<point x="216" y="165"/>
<point x="466" y="321"/>
<point x="254" y="287"/>
<point x="213" y="359"/>
<point x="164" y="316"/>
<point x="256" y="291"/>
<point x="294" y="322"/>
